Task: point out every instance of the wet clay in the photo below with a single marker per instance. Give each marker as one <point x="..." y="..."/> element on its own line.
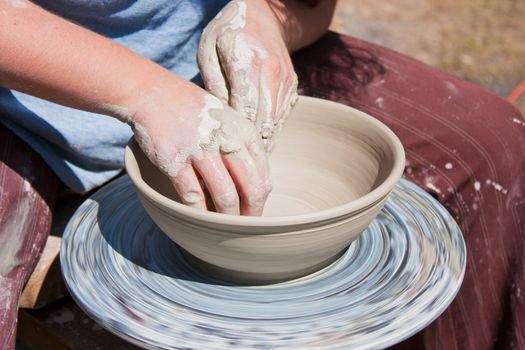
<point x="227" y="41"/>
<point x="219" y="128"/>
<point x="332" y="171"/>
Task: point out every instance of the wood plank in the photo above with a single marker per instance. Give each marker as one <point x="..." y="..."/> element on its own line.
<point x="45" y="284"/>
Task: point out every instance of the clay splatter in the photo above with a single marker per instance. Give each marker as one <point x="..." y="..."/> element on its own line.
<point x="477" y="185"/>
<point x="518" y="121"/>
<point x="431" y="186"/>
<point x="496" y="186"/>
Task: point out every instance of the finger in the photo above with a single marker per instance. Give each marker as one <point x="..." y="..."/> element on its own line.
<point x="209" y="65"/>
<point x="188" y="188"/>
<point x="289" y="101"/>
<point x="218" y="182"/>
<point x="280" y="98"/>
<point x="268" y="98"/>
<point x="264" y="122"/>
<point x="286" y="80"/>
<point x="244" y="98"/>
<point x="250" y="186"/>
<point x="242" y="77"/>
<point x="291" y="96"/>
<point x="207" y="195"/>
<point x="281" y="120"/>
<point x="288" y="85"/>
<point x="260" y="157"/>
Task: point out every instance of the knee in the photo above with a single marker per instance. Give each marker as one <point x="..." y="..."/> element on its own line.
<point x="497" y="130"/>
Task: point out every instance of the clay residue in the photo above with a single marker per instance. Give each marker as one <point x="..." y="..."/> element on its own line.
<point x="266" y="125"/>
<point x="12" y="232"/>
<point x="218" y="128"/>
<point x="238" y="20"/>
<point x="208" y="125"/>
<point x="290" y="99"/>
<point x="121" y="113"/>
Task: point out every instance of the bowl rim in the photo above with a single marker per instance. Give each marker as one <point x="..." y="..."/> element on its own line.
<point x="266" y="221"/>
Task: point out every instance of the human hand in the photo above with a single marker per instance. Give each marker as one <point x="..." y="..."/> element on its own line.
<point x="185" y="131"/>
<point x="203" y="138"/>
<point x="244" y="61"/>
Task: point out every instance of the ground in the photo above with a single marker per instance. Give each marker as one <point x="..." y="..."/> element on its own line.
<point x="482" y="41"/>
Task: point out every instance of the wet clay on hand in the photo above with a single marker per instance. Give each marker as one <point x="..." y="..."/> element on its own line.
<point x="208" y="141"/>
<point x="244" y="62"/>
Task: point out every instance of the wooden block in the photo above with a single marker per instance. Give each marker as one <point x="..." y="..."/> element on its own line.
<point x="45" y="284"/>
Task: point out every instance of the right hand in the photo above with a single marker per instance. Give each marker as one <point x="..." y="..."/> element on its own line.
<point x="191" y="134"/>
<point x="244" y="61"/>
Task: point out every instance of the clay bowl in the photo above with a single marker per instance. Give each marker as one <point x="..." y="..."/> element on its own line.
<point x="332" y="170"/>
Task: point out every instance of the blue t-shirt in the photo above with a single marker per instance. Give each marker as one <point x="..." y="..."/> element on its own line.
<point x="83" y="149"/>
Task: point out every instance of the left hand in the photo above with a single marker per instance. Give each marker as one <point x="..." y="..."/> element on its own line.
<point x="244" y="61"/>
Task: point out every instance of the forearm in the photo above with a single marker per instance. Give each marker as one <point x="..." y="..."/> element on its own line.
<point x="302" y="24"/>
<point x="51" y="58"/>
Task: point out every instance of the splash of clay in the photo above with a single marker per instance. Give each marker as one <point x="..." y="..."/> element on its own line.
<point x="242" y="53"/>
<point x="239" y="19"/>
<point x="267" y="126"/>
<point x="247" y="95"/>
<point x="217" y="129"/>
<point x="208" y="125"/>
<point x="120" y="112"/>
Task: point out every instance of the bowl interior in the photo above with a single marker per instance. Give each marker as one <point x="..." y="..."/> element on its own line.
<point x="327" y="155"/>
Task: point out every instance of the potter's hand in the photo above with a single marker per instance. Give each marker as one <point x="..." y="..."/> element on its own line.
<point x="244" y="61"/>
<point x="184" y="130"/>
<point x="203" y="138"/>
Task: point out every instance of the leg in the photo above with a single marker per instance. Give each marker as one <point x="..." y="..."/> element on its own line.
<point x="27" y="191"/>
<point x="464" y="145"/>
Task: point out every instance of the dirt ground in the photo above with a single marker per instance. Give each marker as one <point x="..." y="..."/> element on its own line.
<point x="482" y="41"/>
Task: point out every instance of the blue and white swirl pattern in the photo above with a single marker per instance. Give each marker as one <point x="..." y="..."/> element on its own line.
<point x="400" y="275"/>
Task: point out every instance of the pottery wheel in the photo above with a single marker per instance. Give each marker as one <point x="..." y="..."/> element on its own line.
<point x="400" y="275"/>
